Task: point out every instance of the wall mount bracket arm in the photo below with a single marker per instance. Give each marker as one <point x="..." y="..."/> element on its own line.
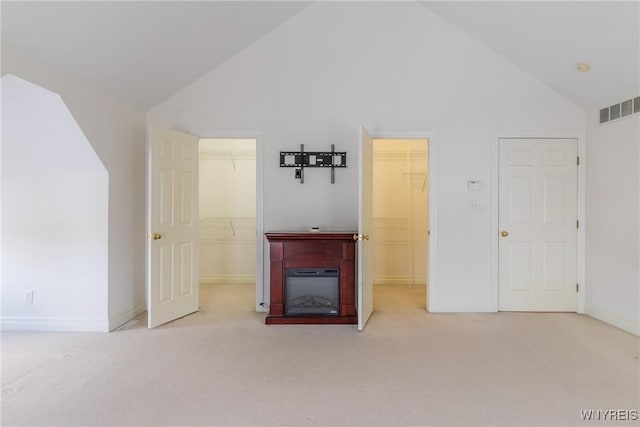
<point x="313" y="159"/>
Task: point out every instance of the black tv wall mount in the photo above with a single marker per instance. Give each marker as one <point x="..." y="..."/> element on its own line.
<point x="313" y="159"/>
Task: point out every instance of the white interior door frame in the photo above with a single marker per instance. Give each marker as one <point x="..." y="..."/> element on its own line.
<point x="260" y="240"/>
<point x="432" y="171"/>
<point x="579" y="135"/>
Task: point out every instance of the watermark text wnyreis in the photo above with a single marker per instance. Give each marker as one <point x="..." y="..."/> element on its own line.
<point x="609" y="414"/>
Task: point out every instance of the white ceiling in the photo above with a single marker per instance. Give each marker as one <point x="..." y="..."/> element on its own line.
<point x="143" y="52"/>
<point x="548" y="39"/>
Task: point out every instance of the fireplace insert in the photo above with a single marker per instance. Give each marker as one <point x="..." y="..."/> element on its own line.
<point x="312" y="291"/>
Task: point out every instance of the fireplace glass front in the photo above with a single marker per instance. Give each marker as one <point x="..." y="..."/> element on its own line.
<point x="312" y="291"/>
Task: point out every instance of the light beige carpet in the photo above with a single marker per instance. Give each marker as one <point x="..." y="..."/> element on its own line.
<point x="223" y="366"/>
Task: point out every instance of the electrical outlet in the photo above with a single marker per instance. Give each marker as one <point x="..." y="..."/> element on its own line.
<point x="28" y="297"/>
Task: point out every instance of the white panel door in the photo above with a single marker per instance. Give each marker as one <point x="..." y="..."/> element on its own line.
<point x="538" y="225"/>
<point x="365" y="213"/>
<point x="172" y="244"/>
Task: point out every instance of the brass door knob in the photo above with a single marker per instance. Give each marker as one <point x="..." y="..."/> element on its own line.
<point x="504" y="233"/>
<point x="155" y="236"/>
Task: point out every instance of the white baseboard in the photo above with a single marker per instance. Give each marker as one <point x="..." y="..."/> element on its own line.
<point x="228" y="279"/>
<point x="612" y="319"/>
<point x="460" y="306"/>
<point x="53" y="324"/>
<point x="400" y="280"/>
<point x="116" y="321"/>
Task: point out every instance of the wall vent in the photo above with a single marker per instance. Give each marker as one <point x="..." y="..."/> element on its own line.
<point x="617" y="111"/>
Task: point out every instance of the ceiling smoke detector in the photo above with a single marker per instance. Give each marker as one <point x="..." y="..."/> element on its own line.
<point x="583" y="67"/>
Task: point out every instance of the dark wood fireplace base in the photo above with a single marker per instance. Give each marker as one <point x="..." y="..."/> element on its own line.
<point x="312" y="250"/>
<point x="311" y="320"/>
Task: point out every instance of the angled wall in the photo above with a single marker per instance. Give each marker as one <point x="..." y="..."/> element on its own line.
<point x="613" y="227"/>
<point x="389" y="66"/>
<point x="54" y="216"/>
<point x="116" y="132"/>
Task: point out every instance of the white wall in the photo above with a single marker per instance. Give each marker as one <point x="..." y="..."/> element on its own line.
<point x="613" y="228"/>
<point x="227" y="211"/>
<point x="400" y="211"/>
<point x="117" y="134"/>
<point x="54" y="216"/>
<point x="396" y="66"/>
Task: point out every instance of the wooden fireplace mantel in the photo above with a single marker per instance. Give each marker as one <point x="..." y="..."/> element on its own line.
<point x="312" y="250"/>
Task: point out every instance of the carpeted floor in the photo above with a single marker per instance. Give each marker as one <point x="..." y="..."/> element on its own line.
<point x="223" y="366"/>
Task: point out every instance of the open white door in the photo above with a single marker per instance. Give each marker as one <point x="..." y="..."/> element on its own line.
<point x="172" y="208"/>
<point x="365" y="209"/>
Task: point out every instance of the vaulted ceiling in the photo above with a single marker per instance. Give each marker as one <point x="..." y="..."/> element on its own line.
<point x="140" y="51"/>
<point x="549" y="38"/>
<point x="143" y="52"/>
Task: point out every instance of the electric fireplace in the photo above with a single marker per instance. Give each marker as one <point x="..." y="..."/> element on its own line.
<point x="312" y="278"/>
<point x="311" y="291"/>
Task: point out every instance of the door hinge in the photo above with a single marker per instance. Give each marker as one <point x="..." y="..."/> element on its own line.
<point x="578" y="160"/>
<point x="577" y="223"/>
<point x="577" y="287"/>
<point x="428" y="232"/>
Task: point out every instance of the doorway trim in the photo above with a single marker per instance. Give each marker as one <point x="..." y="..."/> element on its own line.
<point x="260" y="240"/>
<point x="578" y="135"/>
<point x="431" y="137"/>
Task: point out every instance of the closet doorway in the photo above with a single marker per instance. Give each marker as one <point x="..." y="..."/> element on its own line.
<point x="400" y="223"/>
<point x="227" y="221"/>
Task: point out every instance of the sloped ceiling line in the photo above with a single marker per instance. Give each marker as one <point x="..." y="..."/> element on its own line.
<point x="144" y="52"/>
